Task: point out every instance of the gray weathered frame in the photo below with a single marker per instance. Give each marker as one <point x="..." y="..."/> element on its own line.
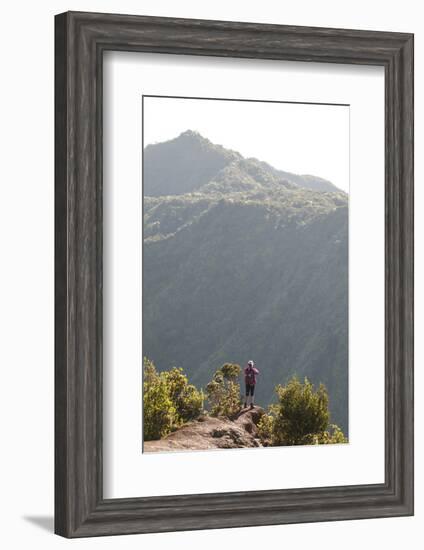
<point x="80" y="40"/>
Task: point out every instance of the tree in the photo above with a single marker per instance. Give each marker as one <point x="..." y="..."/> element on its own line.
<point x="223" y="391"/>
<point x="301" y="417"/>
<point x="186" y="398"/>
<point x="168" y="401"/>
<point x="159" y="414"/>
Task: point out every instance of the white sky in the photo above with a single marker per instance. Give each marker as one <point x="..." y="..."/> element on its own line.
<point x="300" y="138"/>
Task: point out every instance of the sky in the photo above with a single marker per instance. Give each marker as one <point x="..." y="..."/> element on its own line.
<point x="295" y="137"/>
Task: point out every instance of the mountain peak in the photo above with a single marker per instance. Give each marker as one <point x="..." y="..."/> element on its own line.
<point x="191" y="134"/>
<point x="183" y="164"/>
<point x="189" y="161"/>
<point x="193" y="138"/>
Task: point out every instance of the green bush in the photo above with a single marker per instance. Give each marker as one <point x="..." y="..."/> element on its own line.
<point x="186" y="398"/>
<point x="223" y="391"/>
<point x="333" y="435"/>
<point x="301" y="417"/>
<point x="168" y="401"/>
<point x="159" y="414"/>
<point x="266" y="429"/>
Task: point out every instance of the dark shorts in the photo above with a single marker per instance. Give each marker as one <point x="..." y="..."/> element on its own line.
<point x="250" y="389"/>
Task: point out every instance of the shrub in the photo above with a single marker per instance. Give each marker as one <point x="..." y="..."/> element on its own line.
<point x="334" y="435"/>
<point x="266" y="429"/>
<point x="159" y="413"/>
<point x="168" y="401"/>
<point x="301" y="417"/>
<point x="186" y="398"/>
<point x="223" y="391"/>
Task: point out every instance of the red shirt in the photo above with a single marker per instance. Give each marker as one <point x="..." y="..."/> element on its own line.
<point x="250" y="374"/>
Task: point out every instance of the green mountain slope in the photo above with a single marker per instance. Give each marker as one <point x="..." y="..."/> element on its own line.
<point x="244" y="263"/>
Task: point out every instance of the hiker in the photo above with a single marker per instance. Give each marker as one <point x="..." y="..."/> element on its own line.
<point x="250" y="373"/>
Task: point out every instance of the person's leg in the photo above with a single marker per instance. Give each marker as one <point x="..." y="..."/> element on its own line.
<point x="246" y="395"/>
<point x="249" y="393"/>
<point x="252" y="393"/>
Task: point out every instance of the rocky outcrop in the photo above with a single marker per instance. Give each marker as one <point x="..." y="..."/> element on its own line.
<point x="208" y="432"/>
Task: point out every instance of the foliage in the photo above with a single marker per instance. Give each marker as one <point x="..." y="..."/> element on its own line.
<point x="159" y="414"/>
<point x="266" y="429"/>
<point x="223" y="391"/>
<point x="168" y="401"/>
<point x="187" y="400"/>
<point x="301" y="417"/>
<point x="333" y="435"/>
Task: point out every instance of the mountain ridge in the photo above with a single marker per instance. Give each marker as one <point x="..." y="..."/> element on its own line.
<point x="192" y="153"/>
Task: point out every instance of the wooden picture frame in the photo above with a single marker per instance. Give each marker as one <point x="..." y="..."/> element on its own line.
<point x="80" y="40"/>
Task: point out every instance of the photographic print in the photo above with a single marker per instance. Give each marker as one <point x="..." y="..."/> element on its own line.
<point x="221" y="290"/>
<point x="245" y="273"/>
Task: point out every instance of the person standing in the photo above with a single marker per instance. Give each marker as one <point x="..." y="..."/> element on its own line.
<point x="250" y="378"/>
